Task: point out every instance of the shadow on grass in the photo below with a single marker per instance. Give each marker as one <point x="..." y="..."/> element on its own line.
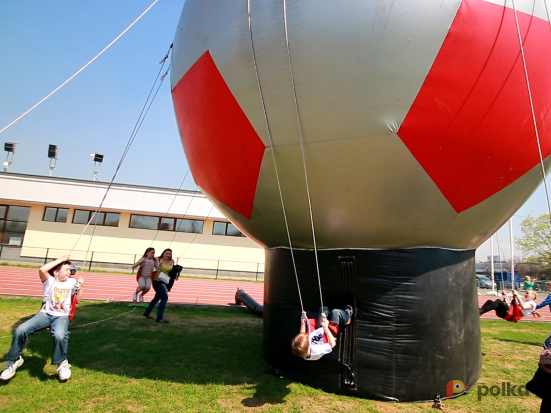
<point x="201" y="345"/>
<point x="530" y="343"/>
<point x="35" y="367"/>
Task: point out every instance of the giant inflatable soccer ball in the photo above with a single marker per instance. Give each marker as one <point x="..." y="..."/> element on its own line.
<point x="414" y="125"/>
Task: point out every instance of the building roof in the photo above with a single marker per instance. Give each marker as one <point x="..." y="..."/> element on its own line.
<point x="36" y="189"/>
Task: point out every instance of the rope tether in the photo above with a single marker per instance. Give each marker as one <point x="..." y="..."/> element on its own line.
<point x="168" y="210"/>
<point x="80" y="70"/>
<point x="273" y="155"/>
<point x="532" y="104"/>
<point x="301" y="145"/>
<point x="202" y="225"/>
<point x="137" y="126"/>
<point x="183" y="217"/>
<point x="105" y="319"/>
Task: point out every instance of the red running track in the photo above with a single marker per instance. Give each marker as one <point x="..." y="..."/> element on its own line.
<point x="102" y="287"/>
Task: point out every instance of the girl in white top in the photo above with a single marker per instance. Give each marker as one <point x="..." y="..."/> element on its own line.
<point x="148" y="265"/>
<point x="529" y="303"/>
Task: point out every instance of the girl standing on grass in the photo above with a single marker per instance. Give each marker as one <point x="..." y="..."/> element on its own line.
<point x="161" y="294"/>
<point x="148" y="265"/>
<point x="528" y="283"/>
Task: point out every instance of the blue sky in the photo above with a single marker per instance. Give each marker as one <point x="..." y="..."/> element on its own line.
<point x="43" y="43"/>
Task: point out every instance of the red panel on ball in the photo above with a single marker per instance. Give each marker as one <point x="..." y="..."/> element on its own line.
<point x="223" y="149"/>
<point x="470" y="126"/>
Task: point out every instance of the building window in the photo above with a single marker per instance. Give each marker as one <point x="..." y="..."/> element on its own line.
<point x="166" y="224"/>
<point x="226" y="228"/>
<point x="111" y="219"/>
<point x="190" y="225"/>
<point x="55" y="214"/>
<point x="107" y="219"/>
<point x="13" y="223"/>
<point x="144" y="222"/>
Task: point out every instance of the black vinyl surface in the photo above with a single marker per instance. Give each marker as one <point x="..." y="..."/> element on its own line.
<point x="415" y="328"/>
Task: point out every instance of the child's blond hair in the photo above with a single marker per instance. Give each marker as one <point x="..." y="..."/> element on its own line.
<point x="301" y="345"/>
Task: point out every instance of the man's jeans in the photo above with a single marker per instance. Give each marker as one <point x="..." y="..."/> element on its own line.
<point x="59" y="330"/>
<point x="160" y="295"/>
<point x="335" y="316"/>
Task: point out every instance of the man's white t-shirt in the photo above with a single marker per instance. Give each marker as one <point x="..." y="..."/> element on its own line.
<point x="317" y="346"/>
<point x="532" y="305"/>
<point x="58" y="296"/>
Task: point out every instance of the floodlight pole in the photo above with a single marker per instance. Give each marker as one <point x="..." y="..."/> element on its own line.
<point x="492" y="263"/>
<point x="8" y="161"/>
<point x="511" y="243"/>
<point x="52" y="166"/>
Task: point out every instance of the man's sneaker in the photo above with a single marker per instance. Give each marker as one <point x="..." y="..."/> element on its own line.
<point x="349" y="310"/>
<point x="64" y="371"/>
<point x="9" y="370"/>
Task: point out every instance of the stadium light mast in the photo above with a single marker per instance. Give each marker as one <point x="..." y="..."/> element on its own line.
<point x="53" y="151"/>
<point x="9" y="147"/>
<point x="98" y="159"/>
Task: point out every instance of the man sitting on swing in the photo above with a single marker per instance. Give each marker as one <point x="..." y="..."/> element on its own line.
<point x="514" y="310"/>
<point x="320" y="338"/>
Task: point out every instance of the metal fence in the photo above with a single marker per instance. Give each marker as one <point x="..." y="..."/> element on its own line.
<point x="109" y="261"/>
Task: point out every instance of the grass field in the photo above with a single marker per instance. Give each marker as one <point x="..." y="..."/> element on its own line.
<point x="209" y="359"/>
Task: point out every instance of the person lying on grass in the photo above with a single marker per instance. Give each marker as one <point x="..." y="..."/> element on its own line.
<point x="320" y="339"/>
<point x="514" y="310"/>
<point x="58" y="289"/>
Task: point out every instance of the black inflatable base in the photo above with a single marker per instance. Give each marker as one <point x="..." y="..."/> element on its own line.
<point x="415" y="329"/>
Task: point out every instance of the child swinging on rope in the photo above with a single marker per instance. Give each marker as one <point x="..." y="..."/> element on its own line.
<point x="514" y="310"/>
<point x="320" y="338"/>
<point x="55" y="312"/>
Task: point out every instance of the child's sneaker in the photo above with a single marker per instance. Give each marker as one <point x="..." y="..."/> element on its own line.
<point x="141" y="298"/>
<point x="135" y="297"/>
<point x="64" y="370"/>
<point x="9" y="370"/>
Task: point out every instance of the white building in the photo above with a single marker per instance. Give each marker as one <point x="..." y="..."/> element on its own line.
<point x="45" y="217"/>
